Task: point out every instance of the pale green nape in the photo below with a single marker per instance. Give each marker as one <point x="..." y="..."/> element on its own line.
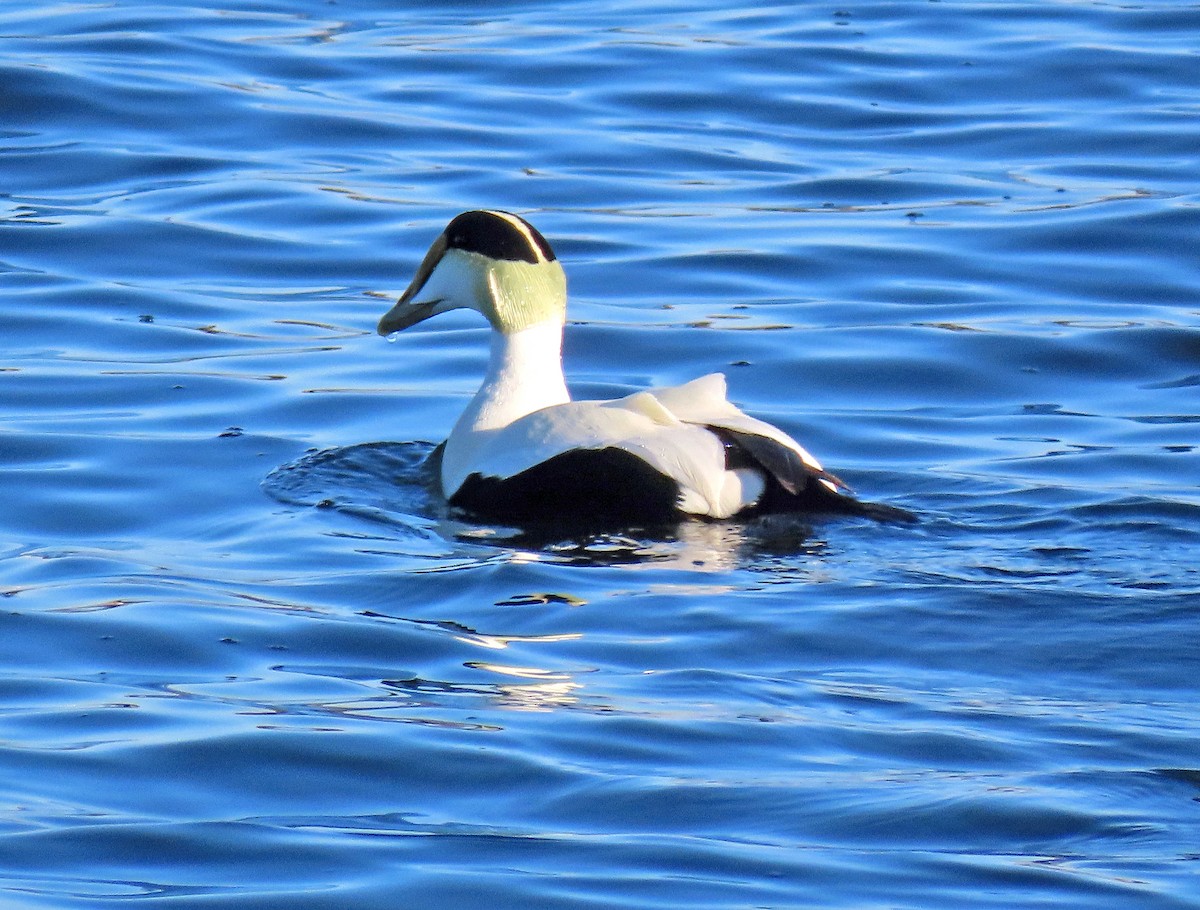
<point x="521" y="294"/>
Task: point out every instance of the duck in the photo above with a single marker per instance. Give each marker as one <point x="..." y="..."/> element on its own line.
<point x="524" y="450"/>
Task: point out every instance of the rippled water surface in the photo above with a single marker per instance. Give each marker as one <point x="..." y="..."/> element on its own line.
<point x="247" y="659"/>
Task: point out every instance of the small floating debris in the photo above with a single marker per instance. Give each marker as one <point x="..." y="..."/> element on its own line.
<point x="524" y="600"/>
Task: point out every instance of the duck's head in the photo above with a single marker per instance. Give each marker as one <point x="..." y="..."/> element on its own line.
<point x="492" y="262"/>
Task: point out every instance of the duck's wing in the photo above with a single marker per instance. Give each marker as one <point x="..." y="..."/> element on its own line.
<point x="704" y="402"/>
<point x="802" y="483"/>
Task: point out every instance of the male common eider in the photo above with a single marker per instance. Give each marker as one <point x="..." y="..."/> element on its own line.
<point x="524" y="450"/>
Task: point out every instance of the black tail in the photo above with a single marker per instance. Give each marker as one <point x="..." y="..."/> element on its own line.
<point x="793" y="485"/>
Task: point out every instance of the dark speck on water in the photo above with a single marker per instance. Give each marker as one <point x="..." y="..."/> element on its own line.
<point x="249" y="659"/>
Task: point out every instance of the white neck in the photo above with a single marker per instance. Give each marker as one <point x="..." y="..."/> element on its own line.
<point x="524" y="375"/>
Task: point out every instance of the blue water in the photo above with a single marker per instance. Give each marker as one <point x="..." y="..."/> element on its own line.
<point x="247" y="660"/>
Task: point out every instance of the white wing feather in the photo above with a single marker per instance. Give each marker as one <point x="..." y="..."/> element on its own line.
<point x="704" y="401"/>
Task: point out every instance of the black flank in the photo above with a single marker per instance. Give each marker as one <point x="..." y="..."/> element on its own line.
<point x="591" y="486"/>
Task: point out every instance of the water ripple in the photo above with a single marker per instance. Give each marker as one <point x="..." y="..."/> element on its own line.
<point x="250" y="658"/>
